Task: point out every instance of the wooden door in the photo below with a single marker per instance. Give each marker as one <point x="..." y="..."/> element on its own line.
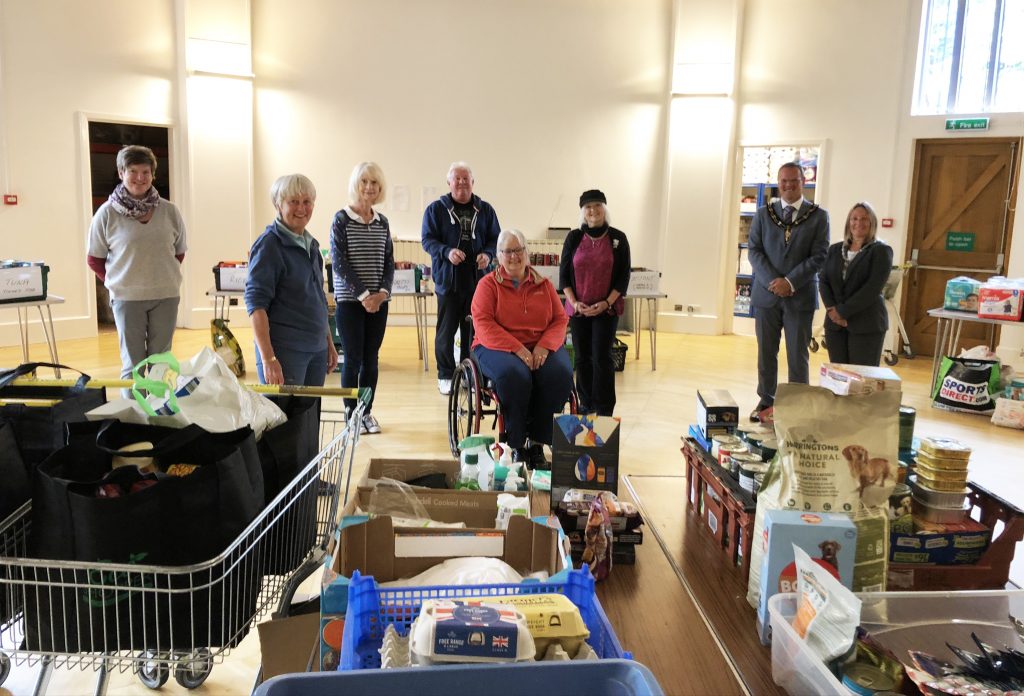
<point x="960" y="224"/>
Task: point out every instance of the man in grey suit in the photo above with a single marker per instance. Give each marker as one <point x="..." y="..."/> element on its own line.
<point x="788" y="244"/>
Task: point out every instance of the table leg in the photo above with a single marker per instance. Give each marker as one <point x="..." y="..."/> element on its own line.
<point x="51" y="336"/>
<point x="652" y="327"/>
<point x="940" y="346"/>
<point x="421" y="333"/>
<point x="958" y="325"/>
<point x="23" y="332"/>
<point x="637" y="307"/>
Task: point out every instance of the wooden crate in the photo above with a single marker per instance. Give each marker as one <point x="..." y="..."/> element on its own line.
<point x="991" y="572"/>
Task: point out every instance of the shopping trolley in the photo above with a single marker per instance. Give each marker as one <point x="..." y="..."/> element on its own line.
<point x="222" y="598"/>
<point x="898" y="331"/>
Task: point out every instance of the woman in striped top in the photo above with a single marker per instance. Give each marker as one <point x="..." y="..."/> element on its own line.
<point x="363" y="261"/>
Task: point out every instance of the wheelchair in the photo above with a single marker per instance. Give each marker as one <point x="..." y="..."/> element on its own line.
<point x="473" y="400"/>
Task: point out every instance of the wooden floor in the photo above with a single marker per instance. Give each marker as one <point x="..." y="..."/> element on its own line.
<point x="656" y="408"/>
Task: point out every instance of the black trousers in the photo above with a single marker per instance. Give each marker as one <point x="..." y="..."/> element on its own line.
<point x="853" y="348"/>
<point x="452" y="309"/>
<point x="592" y="340"/>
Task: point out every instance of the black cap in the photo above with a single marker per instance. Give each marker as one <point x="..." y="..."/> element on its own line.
<point x="592" y="196"/>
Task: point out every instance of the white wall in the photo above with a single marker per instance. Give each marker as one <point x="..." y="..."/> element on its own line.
<point x="59" y="59"/>
<point x="544" y="98"/>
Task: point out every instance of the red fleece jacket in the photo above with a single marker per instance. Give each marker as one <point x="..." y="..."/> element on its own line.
<point x="506" y="317"/>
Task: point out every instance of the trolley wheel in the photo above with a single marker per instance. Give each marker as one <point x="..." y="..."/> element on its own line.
<point x="813" y="345"/>
<point x="463" y="405"/>
<point x="909" y="352"/>
<point x="193" y="669"/>
<point x="891" y="358"/>
<point x="5" y="667"/>
<point x="153" y="673"/>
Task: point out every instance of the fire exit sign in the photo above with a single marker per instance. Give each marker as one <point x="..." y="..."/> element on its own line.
<point x="959" y="241"/>
<point x="970" y="124"/>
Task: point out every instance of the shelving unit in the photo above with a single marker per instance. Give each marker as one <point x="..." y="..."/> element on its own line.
<point x="760" y="165"/>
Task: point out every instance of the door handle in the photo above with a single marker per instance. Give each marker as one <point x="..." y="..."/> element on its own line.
<point x="993" y="271"/>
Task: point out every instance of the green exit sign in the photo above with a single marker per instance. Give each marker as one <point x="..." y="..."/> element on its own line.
<point x="962" y="124"/>
<point x="959" y="241"/>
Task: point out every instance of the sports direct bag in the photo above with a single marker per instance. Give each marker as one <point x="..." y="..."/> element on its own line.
<point x="836" y="454"/>
<point x="182" y="499"/>
<point x="965" y="384"/>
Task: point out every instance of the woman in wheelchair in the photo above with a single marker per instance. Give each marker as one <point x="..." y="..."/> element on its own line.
<point x="519" y="344"/>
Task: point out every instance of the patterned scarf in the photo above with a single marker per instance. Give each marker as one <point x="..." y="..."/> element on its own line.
<point x="135" y="208"/>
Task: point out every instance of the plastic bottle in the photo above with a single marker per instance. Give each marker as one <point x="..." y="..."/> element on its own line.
<point x="468" y="477"/>
<point x="513" y="481"/>
<point x="479" y="445"/>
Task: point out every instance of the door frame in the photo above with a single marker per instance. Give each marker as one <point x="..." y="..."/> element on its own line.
<point x="908" y="246"/>
<point x="85" y="186"/>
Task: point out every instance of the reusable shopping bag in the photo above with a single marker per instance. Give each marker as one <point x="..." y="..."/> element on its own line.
<point x="104" y="604"/>
<point x="965" y="384"/>
<point x="39" y="429"/>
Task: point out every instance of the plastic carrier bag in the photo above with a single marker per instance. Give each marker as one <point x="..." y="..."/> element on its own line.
<point x="202" y="390"/>
<point x="226" y="346"/>
<point x="968" y="385"/>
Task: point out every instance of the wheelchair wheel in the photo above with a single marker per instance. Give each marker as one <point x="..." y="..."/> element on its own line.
<point x="463" y="405"/>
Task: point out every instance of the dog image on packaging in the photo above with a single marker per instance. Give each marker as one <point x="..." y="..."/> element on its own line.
<point x="828" y="538"/>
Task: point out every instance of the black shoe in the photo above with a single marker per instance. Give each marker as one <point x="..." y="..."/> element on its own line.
<point x="755" y="415"/>
<point x="535" y="452"/>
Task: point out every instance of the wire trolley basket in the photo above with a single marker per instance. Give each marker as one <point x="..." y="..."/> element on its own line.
<point x="158" y="620"/>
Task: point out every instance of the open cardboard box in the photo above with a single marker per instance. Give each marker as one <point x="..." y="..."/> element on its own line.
<point x="290" y="645"/>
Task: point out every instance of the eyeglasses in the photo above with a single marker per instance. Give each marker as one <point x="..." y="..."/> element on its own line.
<point x="513" y="252"/>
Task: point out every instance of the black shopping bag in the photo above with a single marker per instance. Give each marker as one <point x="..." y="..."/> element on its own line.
<point x="284" y="452"/>
<point x="39" y="430"/>
<point x="174" y="522"/>
<point x="14" y="485"/>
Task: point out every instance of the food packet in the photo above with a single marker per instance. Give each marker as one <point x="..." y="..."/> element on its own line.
<point x="598" y="536"/>
<point x="827" y="614"/>
<point x="509" y="505"/>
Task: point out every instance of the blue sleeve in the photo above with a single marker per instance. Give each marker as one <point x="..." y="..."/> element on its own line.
<point x="804" y="272"/>
<point x="764" y="271"/>
<point x="265" y="270"/>
<point x="431" y="236"/>
<point x="490" y="233"/>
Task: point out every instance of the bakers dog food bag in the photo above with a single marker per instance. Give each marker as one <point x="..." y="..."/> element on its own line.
<point x="836" y="454"/>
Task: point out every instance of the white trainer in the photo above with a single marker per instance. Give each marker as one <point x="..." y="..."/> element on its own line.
<point x="444" y="386"/>
<point x="370" y="425"/>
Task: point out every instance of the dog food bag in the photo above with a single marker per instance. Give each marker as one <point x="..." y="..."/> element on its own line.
<point x="836" y="454"/>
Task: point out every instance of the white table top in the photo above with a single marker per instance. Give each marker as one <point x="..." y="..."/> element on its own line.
<point x="50" y="300"/>
<point x="954" y="315"/>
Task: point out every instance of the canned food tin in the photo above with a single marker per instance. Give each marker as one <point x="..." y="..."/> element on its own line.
<point x="908" y="415"/>
<point x="945" y="448"/>
<point x="747" y="474"/>
<point x="866" y="680"/>
<point x="946" y="463"/>
<point x="726" y="451"/>
<point x="740" y="459"/>
<point x="718" y="440"/>
<point x="758" y="480"/>
<point x="768" y="449"/>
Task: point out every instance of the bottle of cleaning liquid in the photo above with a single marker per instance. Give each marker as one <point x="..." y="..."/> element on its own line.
<point x="469" y="475"/>
<point x="513" y="481"/>
<point x="480" y="446"/>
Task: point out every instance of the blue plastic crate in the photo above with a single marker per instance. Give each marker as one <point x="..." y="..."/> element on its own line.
<point x="371" y="609"/>
<point x="591" y="677"/>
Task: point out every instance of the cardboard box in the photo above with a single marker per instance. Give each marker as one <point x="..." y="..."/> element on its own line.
<point x="643" y="282"/>
<point x="549" y="272"/>
<point x="716" y="411"/>
<point x="1000" y="302"/>
<point x="844" y="379"/>
<point x="291" y="645"/>
<point x="584" y="454"/>
<point x="476" y="509"/>
<point x="23" y="281"/>
<point x="961" y="294"/>
<point x="941" y="544"/>
<point x="375" y="547"/>
<point x="829" y="538"/>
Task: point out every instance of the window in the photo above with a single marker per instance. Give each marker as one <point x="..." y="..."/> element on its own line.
<point x="971" y="57"/>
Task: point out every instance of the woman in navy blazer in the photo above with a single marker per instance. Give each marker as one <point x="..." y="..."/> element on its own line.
<point x="851" y="288"/>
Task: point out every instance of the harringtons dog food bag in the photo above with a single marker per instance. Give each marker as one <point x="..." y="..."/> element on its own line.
<point x="836" y="454"/>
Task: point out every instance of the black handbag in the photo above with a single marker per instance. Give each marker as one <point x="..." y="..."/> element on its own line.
<point x="175" y="521"/>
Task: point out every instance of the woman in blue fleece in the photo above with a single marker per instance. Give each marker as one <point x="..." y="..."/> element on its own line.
<point x="284" y="294"/>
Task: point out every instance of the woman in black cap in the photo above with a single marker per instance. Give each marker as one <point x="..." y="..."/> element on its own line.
<point x="593" y="275"/>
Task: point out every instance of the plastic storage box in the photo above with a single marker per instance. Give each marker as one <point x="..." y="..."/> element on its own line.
<point x="594" y="678"/>
<point x="371" y="609"/>
<point x="901" y="621"/>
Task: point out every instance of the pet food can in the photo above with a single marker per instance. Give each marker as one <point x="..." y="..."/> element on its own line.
<point x="908" y="415"/>
<point x="945" y="448"/>
<point x="748" y="472"/>
<point x="768" y="449"/>
<point x="718" y="440"/>
<point x="754" y="441"/>
<point x="726" y="451"/>
<point x="933" y="496"/>
<point x="758" y="480"/>
<point x="944" y="463"/>
<point x="866" y="680"/>
<point x="740" y="459"/>
<point x="942" y="515"/>
<point x="951" y="476"/>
